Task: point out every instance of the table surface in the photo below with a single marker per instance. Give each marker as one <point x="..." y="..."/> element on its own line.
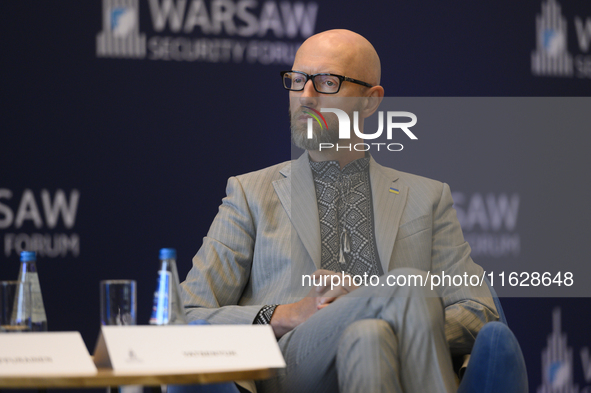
<point x="107" y="378"/>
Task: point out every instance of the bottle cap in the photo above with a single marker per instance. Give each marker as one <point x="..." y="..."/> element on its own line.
<point x="28" y="256"/>
<point x="167" y="253"/>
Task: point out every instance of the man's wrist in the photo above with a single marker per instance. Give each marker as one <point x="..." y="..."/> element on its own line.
<point x="282" y="320"/>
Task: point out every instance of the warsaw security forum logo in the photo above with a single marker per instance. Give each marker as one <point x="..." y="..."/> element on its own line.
<point x="120" y="36"/>
<point x="557" y="361"/>
<point x="551" y="56"/>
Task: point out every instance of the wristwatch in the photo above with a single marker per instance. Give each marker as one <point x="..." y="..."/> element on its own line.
<point x="264" y="315"/>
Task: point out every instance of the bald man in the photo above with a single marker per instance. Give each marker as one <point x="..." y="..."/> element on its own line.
<point x="298" y="219"/>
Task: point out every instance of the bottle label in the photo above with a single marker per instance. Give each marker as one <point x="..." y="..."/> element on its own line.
<point x="162" y="299"/>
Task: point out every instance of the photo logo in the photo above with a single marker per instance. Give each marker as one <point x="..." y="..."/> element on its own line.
<point x="345" y="128"/>
<point x="315" y="114"/>
<point x="121" y="36"/>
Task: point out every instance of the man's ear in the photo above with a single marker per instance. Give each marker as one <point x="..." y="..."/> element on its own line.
<point x="372" y="101"/>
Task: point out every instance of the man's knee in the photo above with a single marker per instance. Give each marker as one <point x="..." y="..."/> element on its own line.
<point x="410" y="290"/>
<point x="367" y="333"/>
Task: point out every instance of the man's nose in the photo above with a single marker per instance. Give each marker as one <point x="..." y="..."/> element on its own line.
<point x="309" y="95"/>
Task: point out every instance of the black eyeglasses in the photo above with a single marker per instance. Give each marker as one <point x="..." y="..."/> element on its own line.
<point x="323" y="83"/>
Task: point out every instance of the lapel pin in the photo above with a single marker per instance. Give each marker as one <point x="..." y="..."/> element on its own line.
<point x="395" y="191"/>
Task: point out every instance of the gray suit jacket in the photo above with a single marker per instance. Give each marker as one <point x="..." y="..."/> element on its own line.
<point x="266" y="235"/>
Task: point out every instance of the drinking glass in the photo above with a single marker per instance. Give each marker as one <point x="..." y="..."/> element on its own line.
<point x="118" y="302"/>
<point x="15" y="306"/>
<point x="118" y="307"/>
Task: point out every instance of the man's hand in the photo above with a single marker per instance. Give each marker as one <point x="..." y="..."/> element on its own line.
<point x="287" y="316"/>
<point x="330" y="295"/>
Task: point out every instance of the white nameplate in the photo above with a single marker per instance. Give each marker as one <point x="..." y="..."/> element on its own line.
<point x="44" y="354"/>
<point x="185" y="349"/>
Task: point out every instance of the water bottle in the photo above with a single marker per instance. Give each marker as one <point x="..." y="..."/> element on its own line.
<point x="168" y="307"/>
<point x="28" y="273"/>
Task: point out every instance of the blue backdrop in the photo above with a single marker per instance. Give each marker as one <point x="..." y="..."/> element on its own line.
<point x="121" y="121"/>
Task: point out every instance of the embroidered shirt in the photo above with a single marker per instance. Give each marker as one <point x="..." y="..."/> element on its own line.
<point x="346" y="216"/>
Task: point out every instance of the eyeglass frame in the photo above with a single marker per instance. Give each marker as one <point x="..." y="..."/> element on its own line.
<point x="311" y="77"/>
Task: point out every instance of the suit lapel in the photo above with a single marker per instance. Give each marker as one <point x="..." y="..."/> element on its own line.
<point x="298" y="197"/>
<point x="296" y="192"/>
<point x="387" y="206"/>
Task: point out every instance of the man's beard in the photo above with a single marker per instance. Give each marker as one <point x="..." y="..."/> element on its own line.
<point x="299" y="133"/>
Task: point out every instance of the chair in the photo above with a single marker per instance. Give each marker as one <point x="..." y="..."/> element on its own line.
<point x="496" y="363"/>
